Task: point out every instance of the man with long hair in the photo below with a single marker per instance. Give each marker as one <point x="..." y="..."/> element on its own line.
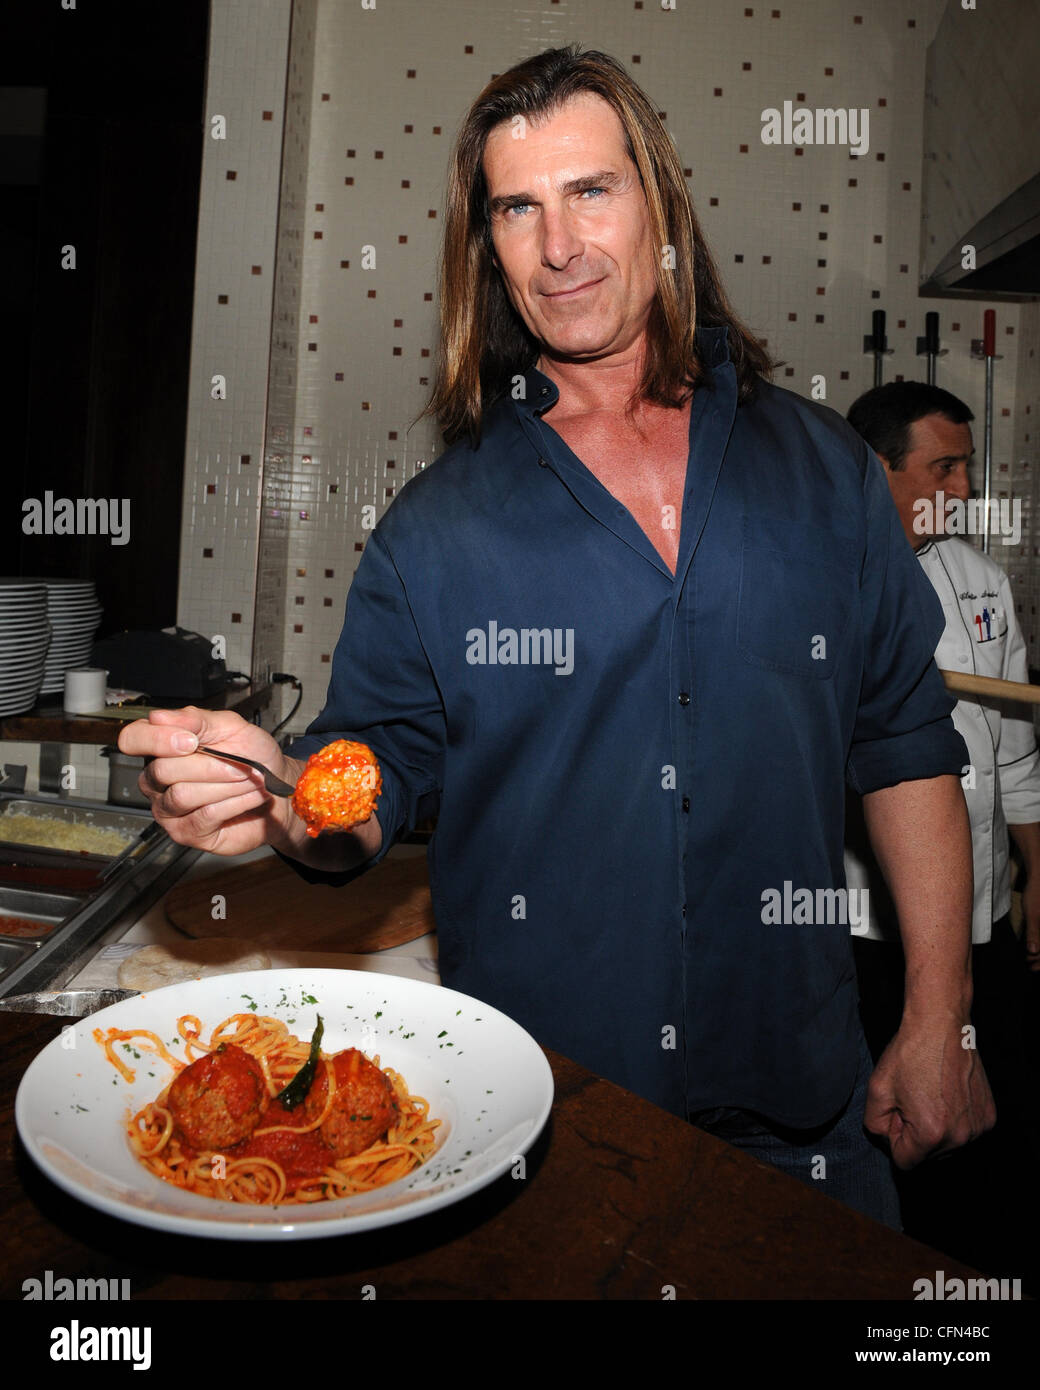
<point x="627" y="638"/>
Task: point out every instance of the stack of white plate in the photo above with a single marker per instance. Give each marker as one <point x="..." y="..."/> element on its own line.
<point x="74" y="613"/>
<point x="24" y="636"/>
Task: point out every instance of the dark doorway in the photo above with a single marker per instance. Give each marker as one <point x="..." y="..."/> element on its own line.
<point x="101" y="129"/>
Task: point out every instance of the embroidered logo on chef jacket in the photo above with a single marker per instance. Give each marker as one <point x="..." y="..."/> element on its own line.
<point x="987" y="621"/>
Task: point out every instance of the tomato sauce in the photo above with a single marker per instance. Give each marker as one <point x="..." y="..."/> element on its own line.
<point x="301" y="1155"/>
<point x="338" y="788"/>
<point x="24" y="926"/>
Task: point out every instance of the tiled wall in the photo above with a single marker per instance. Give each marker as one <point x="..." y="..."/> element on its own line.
<point x="810" y="240"/>
<point x="231" y="330"/>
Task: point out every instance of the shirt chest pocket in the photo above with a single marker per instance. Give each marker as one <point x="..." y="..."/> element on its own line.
<point x="798" y="589"/>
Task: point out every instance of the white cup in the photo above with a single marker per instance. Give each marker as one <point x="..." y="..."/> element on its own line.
<point x="85" y="690"/>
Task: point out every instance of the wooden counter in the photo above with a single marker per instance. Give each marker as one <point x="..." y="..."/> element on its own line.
<point x="621" y="1201"/>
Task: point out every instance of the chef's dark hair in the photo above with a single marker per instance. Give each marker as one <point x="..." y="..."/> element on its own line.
<point x="884" y="415"/>
<point x="483" y="342"/>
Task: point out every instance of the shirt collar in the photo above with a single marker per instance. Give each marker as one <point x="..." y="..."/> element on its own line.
<point x="540" y="393"/>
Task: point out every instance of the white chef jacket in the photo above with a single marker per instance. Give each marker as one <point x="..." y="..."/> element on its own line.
<point x="1002" y="781"/>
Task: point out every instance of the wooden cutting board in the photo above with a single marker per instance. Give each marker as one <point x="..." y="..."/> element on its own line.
<point x="267" y="902"/>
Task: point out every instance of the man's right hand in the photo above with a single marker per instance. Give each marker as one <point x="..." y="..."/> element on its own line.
<point x="206" y="802"/>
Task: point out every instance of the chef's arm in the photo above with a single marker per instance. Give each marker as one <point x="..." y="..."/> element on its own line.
<point x="929" y="1091"/>
<point x="1027" y="838"/>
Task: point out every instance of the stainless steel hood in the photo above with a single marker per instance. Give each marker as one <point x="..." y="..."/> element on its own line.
<point x="980" y="200"/>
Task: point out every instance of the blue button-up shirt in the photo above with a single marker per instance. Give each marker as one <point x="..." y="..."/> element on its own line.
<point x="637" y="774"/>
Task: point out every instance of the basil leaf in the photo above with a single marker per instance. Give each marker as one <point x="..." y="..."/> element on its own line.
<point x="296" y="1092"/>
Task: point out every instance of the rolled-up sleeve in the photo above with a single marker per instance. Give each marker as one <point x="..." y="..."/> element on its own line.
<point x="382" y="693"/>
<point x="903" y="730"/>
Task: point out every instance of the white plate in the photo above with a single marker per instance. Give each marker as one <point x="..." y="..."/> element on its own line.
<point x="486" y="1079"/>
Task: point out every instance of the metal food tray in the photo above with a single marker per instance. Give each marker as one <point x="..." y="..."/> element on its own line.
<point x="12" y="953"/>
<point x="73" y="813"/>
<point x="49" y="909"/>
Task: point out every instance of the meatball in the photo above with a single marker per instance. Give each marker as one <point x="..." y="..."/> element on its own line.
<point x="363" y="1108"/>
<point x="219" y="1099"/>
<point x="338" y="787"/>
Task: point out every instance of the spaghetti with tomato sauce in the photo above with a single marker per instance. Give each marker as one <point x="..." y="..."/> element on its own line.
<point x="229" y="1126"/>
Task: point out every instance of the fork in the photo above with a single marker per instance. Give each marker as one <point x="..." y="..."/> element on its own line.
<point x="274" y="784"/>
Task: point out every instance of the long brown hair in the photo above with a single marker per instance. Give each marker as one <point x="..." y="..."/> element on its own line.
<point x="483" y="341"/>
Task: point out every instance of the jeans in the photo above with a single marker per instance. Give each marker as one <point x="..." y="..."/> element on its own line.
<point x="838" y="1158"/>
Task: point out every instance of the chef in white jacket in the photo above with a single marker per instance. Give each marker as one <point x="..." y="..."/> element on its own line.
<point x="923" y="437"/>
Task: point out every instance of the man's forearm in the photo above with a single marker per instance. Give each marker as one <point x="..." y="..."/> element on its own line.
<point x="921" y="836"/>
<point x="1027" y="838"/>
<point x="333" y="851"/>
